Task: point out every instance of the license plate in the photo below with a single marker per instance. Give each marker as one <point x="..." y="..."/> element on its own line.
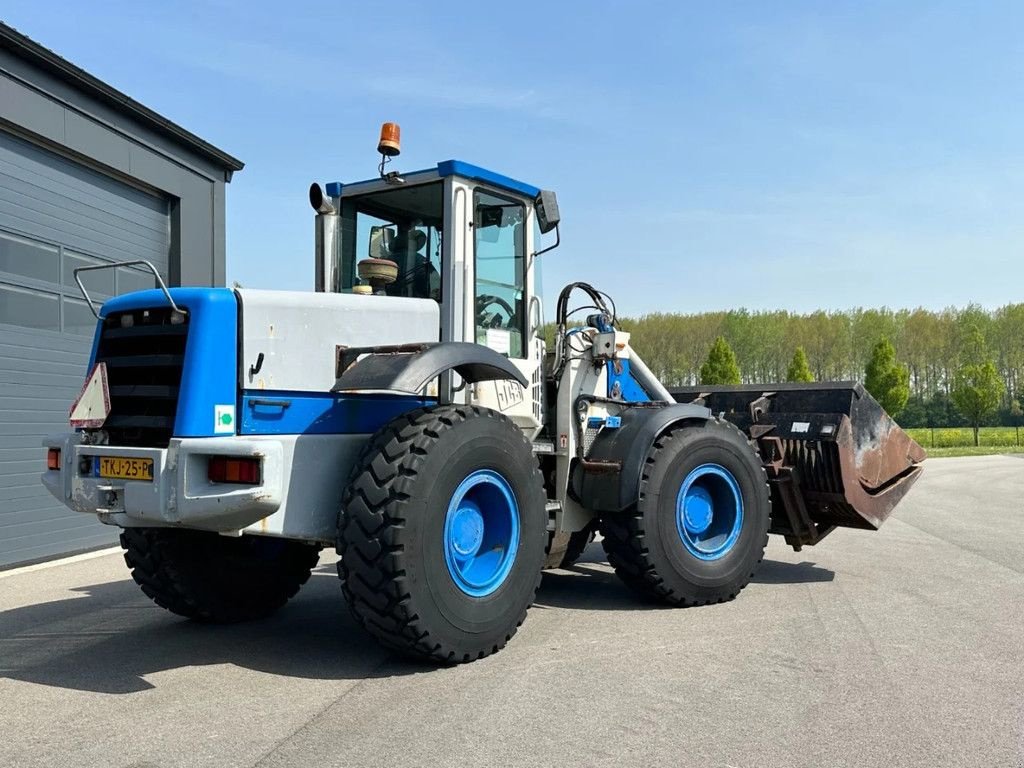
<point x="122" y="468"/>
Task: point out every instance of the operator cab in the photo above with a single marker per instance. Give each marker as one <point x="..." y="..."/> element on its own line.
<point x="456" y="234"/>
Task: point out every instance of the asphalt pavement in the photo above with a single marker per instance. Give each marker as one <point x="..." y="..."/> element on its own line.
<point x="903" y="647"/>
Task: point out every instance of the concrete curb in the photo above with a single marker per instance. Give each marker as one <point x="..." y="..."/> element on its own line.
<point x="62" y="561"/>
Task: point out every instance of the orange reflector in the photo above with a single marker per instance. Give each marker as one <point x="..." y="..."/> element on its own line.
<point x="390" y="140"/>
<point x="53" y="458"/>
<point x="223" y="469"/>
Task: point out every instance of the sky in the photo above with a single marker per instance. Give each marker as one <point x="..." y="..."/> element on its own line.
<point x="706" y="156"/>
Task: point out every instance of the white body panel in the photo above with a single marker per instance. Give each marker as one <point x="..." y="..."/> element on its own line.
<point x="311" y="493"/>
<point x="299" y="496"/>
<point x="580" y="377"/>
<point x="525" y="406"/>
<point x="297" y="333"/>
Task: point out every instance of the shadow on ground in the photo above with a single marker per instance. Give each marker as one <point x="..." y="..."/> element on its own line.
<point x="590" y="584"/>
<point x="778" y="572"/>
<point x="110" y="637"/>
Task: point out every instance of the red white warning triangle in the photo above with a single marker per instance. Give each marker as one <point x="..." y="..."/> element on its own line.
<point x="93" y="404"/>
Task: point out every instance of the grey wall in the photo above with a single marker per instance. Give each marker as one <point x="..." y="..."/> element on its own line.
<point x="80" y="180"/>
<point x="44" y="109"/>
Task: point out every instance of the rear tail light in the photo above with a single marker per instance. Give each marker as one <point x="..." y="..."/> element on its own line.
<point x="224" y="469"/>
<point x="53" y="458"/>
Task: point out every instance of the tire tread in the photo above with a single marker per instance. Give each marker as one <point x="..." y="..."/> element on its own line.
<point x="373" y="576"/>
<point x="624" y="535"/>
<point x="206" y="577"/>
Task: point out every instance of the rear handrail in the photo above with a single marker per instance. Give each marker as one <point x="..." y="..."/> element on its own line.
<point x="160" y="280"/>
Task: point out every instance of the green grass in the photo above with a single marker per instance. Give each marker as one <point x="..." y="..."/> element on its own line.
<point x="970" y="450"/>
<point x="998" y="439"/>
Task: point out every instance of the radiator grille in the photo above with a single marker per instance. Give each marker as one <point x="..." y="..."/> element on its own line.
<point x="144" y="352"/>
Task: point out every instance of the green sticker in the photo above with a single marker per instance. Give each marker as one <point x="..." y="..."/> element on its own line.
<point x="224" y="419"/>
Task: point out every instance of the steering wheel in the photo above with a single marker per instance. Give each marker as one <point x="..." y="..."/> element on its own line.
<point x="418" y="278"/>
<point x="485" y="300"/>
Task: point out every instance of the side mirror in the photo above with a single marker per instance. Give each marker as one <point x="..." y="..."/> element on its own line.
<point x="381" y="238"/>
<point x="546" y="206"/>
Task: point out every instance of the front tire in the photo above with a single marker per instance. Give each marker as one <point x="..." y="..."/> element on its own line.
<point x="217" y="579"/>
<point x="700" y="525"/>
<point x="442" y="533"/>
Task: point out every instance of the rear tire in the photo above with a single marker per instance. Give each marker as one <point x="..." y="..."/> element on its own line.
<point x="700" y="525"/>
<point x="442" y="533"/>
<point x="213" y="578"/>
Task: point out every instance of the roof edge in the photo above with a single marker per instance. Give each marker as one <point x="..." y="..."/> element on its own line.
<point x="477" y="173"/>
<point x="13" y="40"/>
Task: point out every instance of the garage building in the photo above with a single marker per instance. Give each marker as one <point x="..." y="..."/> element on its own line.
<point x="87" y="176"/>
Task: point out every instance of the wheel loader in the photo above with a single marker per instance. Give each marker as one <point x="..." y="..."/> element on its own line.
<point x="409" y="413"/>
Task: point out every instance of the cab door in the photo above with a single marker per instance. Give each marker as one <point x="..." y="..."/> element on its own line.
<point x="499" y="312"/>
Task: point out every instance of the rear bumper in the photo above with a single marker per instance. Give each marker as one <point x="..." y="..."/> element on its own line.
<point x="179" y="494"/>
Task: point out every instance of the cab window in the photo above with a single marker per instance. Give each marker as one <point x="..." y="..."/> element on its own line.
<point x="403" y="226"/>
<point x="500" y="266"/>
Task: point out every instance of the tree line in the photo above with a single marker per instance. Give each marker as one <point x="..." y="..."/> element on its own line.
<point x="943" y="354"/>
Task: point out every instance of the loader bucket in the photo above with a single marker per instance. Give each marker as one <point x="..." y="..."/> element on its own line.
<point x="834" y="457"/>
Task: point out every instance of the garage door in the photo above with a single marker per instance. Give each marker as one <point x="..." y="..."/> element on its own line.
<point x="56" y="215"/>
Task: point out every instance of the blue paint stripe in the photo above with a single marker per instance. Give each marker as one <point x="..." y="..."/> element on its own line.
<point x="469" y="171"/>
<point x="466" y="171"/>
<point x="268" y="412"/>
<point x="630" y="389"/>
<point x="210" y="376"/>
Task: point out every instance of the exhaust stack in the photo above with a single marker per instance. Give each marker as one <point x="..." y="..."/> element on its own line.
<point x="327" y="258"/>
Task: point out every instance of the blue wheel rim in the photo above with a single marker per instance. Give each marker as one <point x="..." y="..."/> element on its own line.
<point x="709" y="512"/>
<point x="481" y="533"/>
